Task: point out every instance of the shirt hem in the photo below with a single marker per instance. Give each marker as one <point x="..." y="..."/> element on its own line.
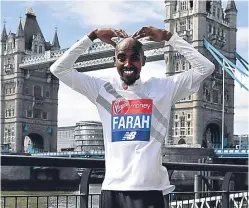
<point x="165" y="191"/>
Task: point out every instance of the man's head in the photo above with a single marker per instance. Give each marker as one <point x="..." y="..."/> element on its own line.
<point x="130" y="58"/>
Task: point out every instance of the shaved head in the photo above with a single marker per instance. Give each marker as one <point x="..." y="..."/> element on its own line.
<point x="129" y="44"/>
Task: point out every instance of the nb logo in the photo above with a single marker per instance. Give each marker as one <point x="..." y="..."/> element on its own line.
<point x="129" y="135"/>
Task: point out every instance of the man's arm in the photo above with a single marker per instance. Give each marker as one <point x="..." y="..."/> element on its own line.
<point x="188" y="82"/>
<point x="81" y="82"/>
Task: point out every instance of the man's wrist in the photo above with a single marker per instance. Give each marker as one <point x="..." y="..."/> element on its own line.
<point x="92" y="35"/>
<point x="167" y="35"/>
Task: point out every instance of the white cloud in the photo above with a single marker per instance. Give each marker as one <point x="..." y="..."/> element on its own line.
<point x="241" y="98"/>
<point x="74" y="107"/>
<point x="242" y="39"/>
<point x="107" y="13"/>
<point x="242" y="34"/>
<point x="241" y="110"/>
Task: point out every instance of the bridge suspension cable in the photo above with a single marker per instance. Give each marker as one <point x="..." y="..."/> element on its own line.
<point x="241" y="60"/>
<point x="227" y="65"/>
<point x="230" y="68"/>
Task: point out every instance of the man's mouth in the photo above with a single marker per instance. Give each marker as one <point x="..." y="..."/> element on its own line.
<point x="128" y="72"/>
<point x="129" y="75"/>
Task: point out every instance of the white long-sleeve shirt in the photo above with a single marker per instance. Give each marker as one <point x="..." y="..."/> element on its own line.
<point x="135" y="120"/>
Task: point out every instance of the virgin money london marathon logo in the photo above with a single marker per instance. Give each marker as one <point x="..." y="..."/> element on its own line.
<point x="131" y="120"/>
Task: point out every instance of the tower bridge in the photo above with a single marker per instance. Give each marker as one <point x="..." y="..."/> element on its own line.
<point x="29" y="92"/>
<point x="99" y="56"/>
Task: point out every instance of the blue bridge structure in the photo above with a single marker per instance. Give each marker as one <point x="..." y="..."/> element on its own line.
<point x="220" y="153"/>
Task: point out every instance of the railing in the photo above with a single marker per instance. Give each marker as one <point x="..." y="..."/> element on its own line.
<point x="231" y="153"/>
<point x="207" y="200"/>
<point x="71" y="153"/>
<point x="176" y="200"/>
<point x="225" y="153"/>
<point x="40" y="201"/>
<point x="222" y="199"/>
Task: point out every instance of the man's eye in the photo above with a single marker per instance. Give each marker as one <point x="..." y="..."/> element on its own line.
<point x="121" y="58"/>
<point x="135" y="58"/>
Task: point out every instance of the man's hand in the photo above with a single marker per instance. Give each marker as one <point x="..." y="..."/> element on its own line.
<point x="152" y="34"/>
<point x="106" y="35"/>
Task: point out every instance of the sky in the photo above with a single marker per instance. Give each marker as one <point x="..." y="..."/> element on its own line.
<point x="74" y="19"/>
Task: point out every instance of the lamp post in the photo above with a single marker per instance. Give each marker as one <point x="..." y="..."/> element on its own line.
<point x="223" y="109"/>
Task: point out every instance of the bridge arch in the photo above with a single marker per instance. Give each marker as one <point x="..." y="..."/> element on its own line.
<point x="213" y="133"/>
<point x="181" y="141"/>
<point x="33" y="142"/>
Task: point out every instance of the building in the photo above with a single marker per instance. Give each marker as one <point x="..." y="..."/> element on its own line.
<point x="29" y="98"/>
<point x="89" y="136"/>
<point x="85" y="136"/>
<point x="65" y="138"/>
<point x="197" y="119"/>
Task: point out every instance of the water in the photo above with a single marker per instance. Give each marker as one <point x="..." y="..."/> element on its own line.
<point x="49" y="199"/>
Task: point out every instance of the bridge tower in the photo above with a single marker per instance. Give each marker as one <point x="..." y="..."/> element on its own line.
<point x="197" y="119"/>
<point x="29" y="98"/>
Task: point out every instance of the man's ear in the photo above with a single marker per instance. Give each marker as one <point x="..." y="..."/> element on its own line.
<point x="144" y="60"/>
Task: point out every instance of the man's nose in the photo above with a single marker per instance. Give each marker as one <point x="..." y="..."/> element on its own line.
<point x="128" y="62"/>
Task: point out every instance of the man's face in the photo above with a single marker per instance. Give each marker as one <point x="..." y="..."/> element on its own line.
<point x="129" y="60"/>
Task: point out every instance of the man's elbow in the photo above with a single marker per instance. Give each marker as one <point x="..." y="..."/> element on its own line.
<point x="53" y="68"/>
<point x="210" y="67"/>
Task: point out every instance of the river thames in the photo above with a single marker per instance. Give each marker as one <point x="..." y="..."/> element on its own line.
<point x="51" y="202"/>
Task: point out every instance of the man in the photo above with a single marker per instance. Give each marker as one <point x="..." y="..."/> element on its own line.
<point x="135" y="113"/>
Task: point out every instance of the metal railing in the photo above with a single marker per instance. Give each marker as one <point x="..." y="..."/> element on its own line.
<point x="71" y="153"/>
<point x="40" y="201"/>
<point x="221" y="199"/>
<point x="231" y="152"/>
<point x="226" y="153"/>
<point x="176" y="200"/>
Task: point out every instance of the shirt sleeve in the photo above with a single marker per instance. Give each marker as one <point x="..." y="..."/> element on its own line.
<point x="187" y="83"/>
<point x="63" y="69"/>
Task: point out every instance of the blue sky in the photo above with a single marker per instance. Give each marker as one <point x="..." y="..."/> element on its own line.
<point x="74" y="19"/>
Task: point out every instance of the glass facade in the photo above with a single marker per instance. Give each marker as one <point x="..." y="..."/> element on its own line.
<point x="65" y="137"/>
<point x="89" y="136"/>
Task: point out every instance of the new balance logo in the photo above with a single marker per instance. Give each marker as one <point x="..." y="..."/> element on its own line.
<point x="129" y="135"/>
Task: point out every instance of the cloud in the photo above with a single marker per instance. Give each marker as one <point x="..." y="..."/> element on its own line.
<point x="74" y="107"/>
<point x="242" y="39"/>
<point x="241" y="98"/>
<point x="242" y="34"/>
<point x="107" y="13"/>
<point x="241" y="110"/>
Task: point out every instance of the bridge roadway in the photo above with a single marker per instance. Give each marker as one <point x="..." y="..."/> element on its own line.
<point x="220" y="153"/>
<point x="98" y="56"/>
